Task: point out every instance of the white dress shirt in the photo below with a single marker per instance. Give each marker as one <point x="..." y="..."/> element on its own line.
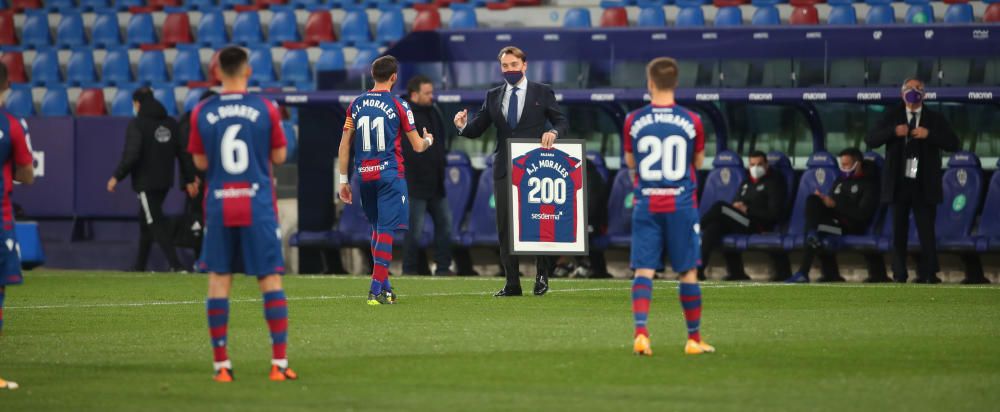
<point x="521" y="92"/>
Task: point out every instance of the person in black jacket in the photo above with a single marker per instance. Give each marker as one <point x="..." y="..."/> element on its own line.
<point x="758" y="208"/>
<point x="194" y="220"/>
<point x="914" y="137"/>
<point x="151" y="146"/>
<point x="517" y="109"/>
<point x="425" y="182"/>
<point x="847" y="211"/>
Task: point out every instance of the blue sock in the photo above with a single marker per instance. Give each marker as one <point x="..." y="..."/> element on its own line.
<point x="386" y="286"/>
<point x="376" y="287"/>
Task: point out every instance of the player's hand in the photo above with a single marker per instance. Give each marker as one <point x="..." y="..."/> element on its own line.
<point x="192" y="189"/>
<point x="828" y="201"/>
<point x="548" y="139"/>
<point x="429" y="137"/>
<point x="901" y="130"/>
<point x="920" y="133"/>
<point x="742" y="207"/>
<point x="345" y="193"/>
<point x="112" y="182"/>
<point x="462" y="118"/>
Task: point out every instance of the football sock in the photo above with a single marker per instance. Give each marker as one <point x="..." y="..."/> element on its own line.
<point x="642" y="294"/>
<point x="218" y="323"/>
<point x="386" y="286"/>
<point x="690" y="294"/>
<point x="381" y="257"/>
<point x="276" y="313"/>
<point x="2" y="290"/>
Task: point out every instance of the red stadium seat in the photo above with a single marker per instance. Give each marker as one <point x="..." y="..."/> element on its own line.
<point x="804" y="15"/>
<point x="992" y="13"/>
<point x="268" y="3"/>
<point x="796" y="3"/>
<point x="91" y="103"/>
<point x="428" y="19"/>
<point x="319" y="28"/>
<point x="500" y="5"/>
<point x="177" y="29"/>
<point x="8" y="36"/>
<point x="19" y="5"/>
<point x="527" y="2"/>
<point x="15" y="66"/>
<point x="614" y="17"/>
<point x="160" y="4"/>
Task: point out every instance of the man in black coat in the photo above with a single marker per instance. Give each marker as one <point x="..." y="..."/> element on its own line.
<point x="152" y="143"/>
<point x="518" y="109"/>
<point x="914" y="137"/>
<point x="847" y="211"/>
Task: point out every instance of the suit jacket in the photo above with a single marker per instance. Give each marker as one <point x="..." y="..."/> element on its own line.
<point x="940" y="137"/>
<point x="540" y="109"/>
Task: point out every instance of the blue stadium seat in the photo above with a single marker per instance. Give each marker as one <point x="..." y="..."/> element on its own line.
<point x="353" y="228"/>
<point x="463" y="16"/>
<point x="620" y="202"/>
<point x="192" y="98"/>
<point x="80" y="69"/>
<point x="458" y="179"/>
<point x="962" y="186"/>
<point x="595" y="158"/>
<point x="69" y="32"/>
<point x="228" y="4"/>
<point x="988" y="235"/>
<point x="165" y="95"/>
<point x="331" y="57"/>
<point x="690" y="14"/>
<point x="652" y="17"/>
<point x="727" y="16"/>
<point x="959" y="13"/>
<point x="482" y="227"/>
<point x="295" y="68"/>
<point x="105" y="32"/>
<point x="842" y="12"/>
<point x="123" y="5"/>
<point x="45" y="68"/>
<point x="578" y="17"/>
<point x="765" y="15"/>
<point x="121" y="105"/>
<point x="881" y="12"/>
<point x="187" y="65"/>
<point x="262" y="66"/>
<point x="95" y="5"/>
<point x="821" y="172"/>
<point x="881" y="223"/>
<point x="152" y="67"/>
<point x="59" y="5"/>
<point x="364" y="58"/>
<point x="919" y="12"/>
<point x="354" y="28"/>
<point x="212" y="29"/>
<point x="247" y="30"/>
<point x="282" y="27"/>
<point x="292" y="139"/>
<point x="35" y="31"/>
<point x="200" y="4"/>
<point x="140" y="30"/>
<point x="116" y="68"/>
<point x="55" y="102"/>
<point x="390" y="26"/>
<point x="723" y="182"/>
<point x="31" y="252"/>
<point x="20" y="102"/>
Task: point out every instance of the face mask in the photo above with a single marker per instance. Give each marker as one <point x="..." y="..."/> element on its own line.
<point x="913" y="96"/>
<point x="513" y="77"/>
<point x="757" y="172"/>
<point x="847" y="173"/>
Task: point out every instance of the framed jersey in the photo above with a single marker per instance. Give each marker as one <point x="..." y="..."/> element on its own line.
<point x="548" y="198"/>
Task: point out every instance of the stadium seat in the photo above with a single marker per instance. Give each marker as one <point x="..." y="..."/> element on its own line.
<point x="988" y="235"/>
<point x="262" y="66"/>
<point x="140" y="30"/>
<point x="177" y="29"/>
<point x="45" y="68"/>
<point x="14" y="60"/>
<point x="201" y="5"/>
<point x="295" y="68"/>
<point x="458" y="179"/>
<point x="881" y="12"/>
<point x="881" y="223"/>
<point x="723" y="182"/>
<point x="35" y="29"/>
<point x="91" y="103"/>
<point x="95" y="5"/>
<point x="620" y="202"/>
<point x="962" y="189"/>
<point x="165" y="95"/>
<point x="116" y="68"/>
<point x="80" y="69"/>
<point x="20" y="102"/>
<point x="353" y="228"/>
<point x="152" y="67"/>
<point x="187" y="65"/>
<point x="124" y="5"/>
<point x="69" y="32"/>
<point x="212" y="29"/>
<point x="105" y="33"/>
<point x="919" y="12"/>
<point x="577" y="18"/>
<point x="481" y="229"/>
<point x="55" y="102"/>
<point x="307" y="4"/>
<point x="595" y="158"/>
<point x="691" y="15"/>
<point x="725" y="16"/>
<point x="59" y="5"/>
<point x="821" y="172"/>
<point x="842" y="12"/>
<point x="29" y="241"/>
<point x="121" y="105"/>
<point x="766" y="14"/>
<point x="614" y="17"/>
<point x="26" y="5"/>
<point x="247" y="30"/>
<point x="282" y="27"/>
<point x="463" y="16"/>
<point x="319" y="27"/>
<point x="390" y="26"/>
<point x="959" y="13"/>
<point x="331" y="57"/>
<point x="427" y="20"/>
<point x="652" y="17"/>
<point x="8" y="33"/>
<point x="992" y="14"/>
<point x="804" y="15"/>
<point x="231" y="4"/>
<point x="192" y="98"/>
<point x="364" y="58"/>
<point x="354" y="28"/>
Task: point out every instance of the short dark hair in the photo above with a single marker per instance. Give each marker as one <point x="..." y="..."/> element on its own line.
<point x="853" y="152"/>
<point x="663" y="71"/>
<point x="413" y="86"/>
<point x="758" y="153"/>
<point x="141" y="94"/>
<point x="232" y="59"/>
<point x="3" y="76"/>
<point x="384" y="67"/>
<point x="514" y="51"/>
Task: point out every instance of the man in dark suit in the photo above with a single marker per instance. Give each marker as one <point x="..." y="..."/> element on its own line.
<point x="914" y="137"/>
<point x="518" y="109"/>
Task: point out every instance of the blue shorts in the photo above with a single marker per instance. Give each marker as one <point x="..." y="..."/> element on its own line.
<point x="10" y="259"/>
<point x="385" y="203"/>
<point x="254" y="250"/>
<point x="677" y="231"/>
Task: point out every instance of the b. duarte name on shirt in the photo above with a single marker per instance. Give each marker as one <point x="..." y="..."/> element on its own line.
<point x="390" y="112"/>
<point x="236" y="192"/>
<point x="548" y="163"/>
<point x="233" y="110"/>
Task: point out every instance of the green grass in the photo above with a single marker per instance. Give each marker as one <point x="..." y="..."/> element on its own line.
<point x="109" y="341"/>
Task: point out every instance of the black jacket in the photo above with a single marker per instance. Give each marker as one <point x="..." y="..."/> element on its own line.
<point x="940" y="137"/>
<point x="856" y="199"/>
<point x="425" y="171"/>
<point x="151" y="144"/>
<point x="540" y="107"/>
<point x="765" y="200"/>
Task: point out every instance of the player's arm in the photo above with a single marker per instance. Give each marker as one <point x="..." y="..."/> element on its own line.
<point x="699" y="142"/>
<point x="344" y="158"/>
<point x="627" y="146"/>
<point x="279" y="142"/>
<point x="24" y="161"/>
<point x="420" y="143"/>
<point x="195" y="145"/>
<point x="279" y="155"/>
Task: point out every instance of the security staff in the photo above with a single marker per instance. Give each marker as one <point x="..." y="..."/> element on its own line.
<point x="758" y="208"/>
<point x="848" y="210"/>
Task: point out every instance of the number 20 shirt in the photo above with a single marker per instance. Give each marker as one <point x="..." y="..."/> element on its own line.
<point x="547" y="181"/>
<point x="664" y="140"/>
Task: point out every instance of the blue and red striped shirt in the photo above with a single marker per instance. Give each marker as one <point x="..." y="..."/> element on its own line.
<point x="15" y="150"/>
<point x="664" y="140"/>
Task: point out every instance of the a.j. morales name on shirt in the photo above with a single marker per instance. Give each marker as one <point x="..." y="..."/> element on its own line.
<point x="548" y="163"/>
<point x="389" y="111"/>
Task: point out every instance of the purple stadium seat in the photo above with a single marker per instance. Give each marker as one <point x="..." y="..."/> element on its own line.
<point x="353" y="228"/>
<point x="482" y="226"/>
<point x="620" y="202"/>
<point x="595" y="158"/>
<point x="963" y="190"/>
<point x="988" y="236"/>
<point x="458" y="188"/>
<point x="723" y="181"/>
<point x="919" y="12"/>
<point x="881" y="223"/>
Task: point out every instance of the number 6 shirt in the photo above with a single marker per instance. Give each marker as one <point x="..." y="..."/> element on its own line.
<point x="664" y="140"/>
<point x="547" y="181"/>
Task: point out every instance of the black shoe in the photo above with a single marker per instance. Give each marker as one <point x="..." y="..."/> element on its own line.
<point x="507" y="292"/>
<point x="599" y="275"/>
<point x="899" y="279"/>
<point x="541" y="285"/>
<point x="736" y="277"/>
<point x="830" y="279"/>
<point x="982" y="280"/>
<point x="444" y="273"/>
<point x="932" y="280"/>
<point x="780" y="278"/>
<point x="877" y="279"/>
<point x="468" y="273"/>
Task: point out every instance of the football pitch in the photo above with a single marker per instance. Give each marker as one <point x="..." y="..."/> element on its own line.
<point x="117" y="341"/>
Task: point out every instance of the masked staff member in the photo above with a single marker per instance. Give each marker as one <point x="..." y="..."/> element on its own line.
<point x="847" y="211"/>
<point x="757" y="209"/>
<point x="914" y="137"/>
